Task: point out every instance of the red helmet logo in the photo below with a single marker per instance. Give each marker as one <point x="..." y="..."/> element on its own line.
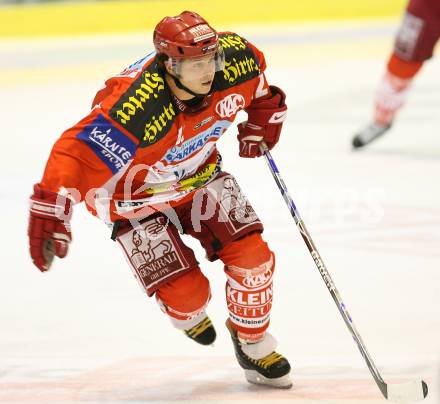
<point x="185" y="35"/>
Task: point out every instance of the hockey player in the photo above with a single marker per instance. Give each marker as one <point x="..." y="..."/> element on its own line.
<point x="414" y="44"/>
<point x="145" y="161"/>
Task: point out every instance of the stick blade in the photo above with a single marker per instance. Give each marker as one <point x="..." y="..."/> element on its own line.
<point x="410" y="392"/>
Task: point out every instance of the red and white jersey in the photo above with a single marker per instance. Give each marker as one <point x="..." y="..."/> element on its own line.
<point x="139" y="146"/>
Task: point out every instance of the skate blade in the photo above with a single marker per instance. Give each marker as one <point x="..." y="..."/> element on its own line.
<point x="283" y="382"/>
<point x="369" y="134"/>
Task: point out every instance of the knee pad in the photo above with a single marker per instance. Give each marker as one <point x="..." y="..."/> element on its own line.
<point x="185" y="298"/>
<point x="249" y="267"/>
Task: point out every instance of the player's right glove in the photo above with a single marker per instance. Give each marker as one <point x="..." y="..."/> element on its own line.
<point x="265" y="120"/>
<point x="49" y="227"/>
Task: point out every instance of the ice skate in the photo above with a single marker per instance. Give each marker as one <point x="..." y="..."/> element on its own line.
<point x="203" y="332"/>
<point x="368" y="134"/>
<point x="261" y="364"/>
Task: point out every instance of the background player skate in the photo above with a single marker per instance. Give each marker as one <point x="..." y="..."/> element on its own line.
<point x="414" y="44"/>
<point x="145" y="157"/>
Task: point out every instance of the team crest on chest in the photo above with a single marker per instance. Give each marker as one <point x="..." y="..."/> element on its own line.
<point x="230" y="105"/>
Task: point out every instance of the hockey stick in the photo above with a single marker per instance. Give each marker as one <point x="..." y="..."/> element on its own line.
<point x="399" y="393"/>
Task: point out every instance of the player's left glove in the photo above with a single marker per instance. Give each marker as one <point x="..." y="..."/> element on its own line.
<point x="265" y="120"/>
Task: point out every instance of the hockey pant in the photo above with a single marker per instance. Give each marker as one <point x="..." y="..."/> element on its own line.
<point x="222" y="219"/>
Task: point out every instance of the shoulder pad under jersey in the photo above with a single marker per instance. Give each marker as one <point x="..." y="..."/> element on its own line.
<point x="241" y="63"/>
<point x="146" y="109"/>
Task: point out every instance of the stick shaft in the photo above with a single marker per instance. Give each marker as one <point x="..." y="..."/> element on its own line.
<point x="323" y="269"/>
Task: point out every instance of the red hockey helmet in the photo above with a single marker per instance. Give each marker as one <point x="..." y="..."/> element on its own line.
<point x="186" y="35"/>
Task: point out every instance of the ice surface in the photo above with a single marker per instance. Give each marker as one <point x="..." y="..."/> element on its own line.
<point x="84" y="332"/>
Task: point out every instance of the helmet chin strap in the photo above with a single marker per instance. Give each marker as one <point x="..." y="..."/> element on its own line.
<point x="184" y="88"/>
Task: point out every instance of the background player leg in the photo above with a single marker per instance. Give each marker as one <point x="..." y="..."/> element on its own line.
<point x="414" y="44"/>
<point x="390" y="97"/>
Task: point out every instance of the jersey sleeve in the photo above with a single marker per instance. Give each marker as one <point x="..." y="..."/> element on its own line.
<point x="261" y="86"/>
<point x="259" y="55"/>
<point x="87" y="155"/>
<point x="245" y="65"/>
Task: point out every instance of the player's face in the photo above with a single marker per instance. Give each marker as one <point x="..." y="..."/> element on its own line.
<point x="198" y="73"/>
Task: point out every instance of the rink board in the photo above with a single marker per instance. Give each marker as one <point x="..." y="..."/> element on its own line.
<point x="131" y="16"/>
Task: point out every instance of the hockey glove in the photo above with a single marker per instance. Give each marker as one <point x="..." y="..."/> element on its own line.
<point x="49" y="228"/>
<point x="265" y="119"/>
